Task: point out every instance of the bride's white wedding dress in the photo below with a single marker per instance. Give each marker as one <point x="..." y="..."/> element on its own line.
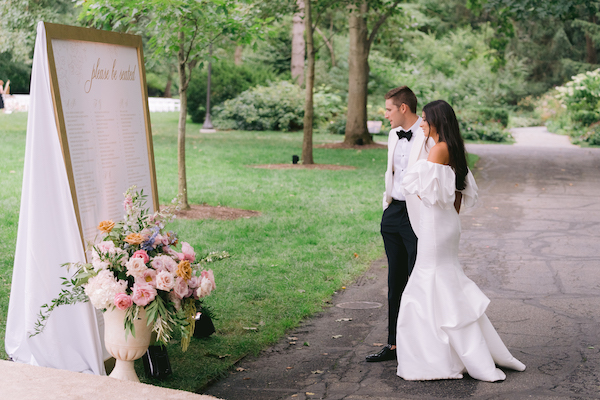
<point x="442" y="327"/>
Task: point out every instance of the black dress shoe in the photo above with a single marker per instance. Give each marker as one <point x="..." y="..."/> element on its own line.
<point x="384" y="354"/>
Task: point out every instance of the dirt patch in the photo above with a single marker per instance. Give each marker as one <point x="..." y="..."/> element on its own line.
<point x="204" y="211"/>
<point x="342" y="145"/>
<point x="307" y="166"/>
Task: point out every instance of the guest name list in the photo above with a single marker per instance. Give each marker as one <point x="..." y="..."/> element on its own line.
<point x="103" y="109"/>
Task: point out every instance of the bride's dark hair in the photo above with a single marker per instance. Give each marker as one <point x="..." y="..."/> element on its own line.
<point x="440" y="114"/>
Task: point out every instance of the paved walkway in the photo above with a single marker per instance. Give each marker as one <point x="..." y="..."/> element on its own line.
<point x="530" y="244"/>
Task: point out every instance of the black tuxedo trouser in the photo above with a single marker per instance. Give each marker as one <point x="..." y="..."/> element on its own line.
<point x="400" y="244"/>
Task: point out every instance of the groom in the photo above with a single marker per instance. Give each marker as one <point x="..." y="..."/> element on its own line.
<point x="400" y="221"/>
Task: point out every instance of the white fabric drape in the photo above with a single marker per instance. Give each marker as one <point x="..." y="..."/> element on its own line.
<point x="48" y="236"/>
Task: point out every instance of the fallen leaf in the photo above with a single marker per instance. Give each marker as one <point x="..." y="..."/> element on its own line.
<point x="355" y="255"/>
<point x="317" y="371"/>
<point x="295" y="395"/>
<point x="225" y="355"/>
<point x="289" y="367"/>
<point x="292" y="338"/>
<point x="306" y="344"/>
<point x="325" y="354"/>
<point x="293" y="342"/>
<point x="247" y="378"/>
<point x="343" y="319"/>
<point x="590" y="347"/>
<point x="301" y="290"/>
<point x="336" y="336"/>
<point x="310" y="394"/>
<point x="343" y="287"/>
<point x="240" y="369"/>
<point x="516" y="184"/>
<point x="494" y="208"/>
<point x="250" y="328"/>
<point x="377" y="344"/>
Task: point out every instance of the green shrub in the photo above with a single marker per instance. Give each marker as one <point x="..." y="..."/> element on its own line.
<point x="594" y="138"/>
<point x="585" y="117"/>
<point x="494" y="114"/>
<point x="483" y="124"/>
<point x="227" y="81"/>
<point x="18" y="74"/>
<point x="278" y="107"/>
<point x="337" y="127"/>
<point x="156" y="84"/>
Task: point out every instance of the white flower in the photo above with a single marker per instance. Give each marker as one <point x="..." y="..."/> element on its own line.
<point x="102" y="289"/>
<point x="136" y="267"/>
<point x="204" y="289"/>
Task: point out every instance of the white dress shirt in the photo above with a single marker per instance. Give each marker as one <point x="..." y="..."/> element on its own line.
<point x="400" y="163"/>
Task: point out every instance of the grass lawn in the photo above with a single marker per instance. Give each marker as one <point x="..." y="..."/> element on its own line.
<point x="318" y="230"/>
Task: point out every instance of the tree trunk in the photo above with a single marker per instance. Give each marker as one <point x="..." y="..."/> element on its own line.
<point x="183" y="81"/>
<point x="307" y="146"/>
<point x="591" y="56"/>
<point x="298" y="44"/>
<point x="358" y="71"/>
<point x="167" y="93"/>
<point x="237" y="58"/>
<point x="329" y="44"/>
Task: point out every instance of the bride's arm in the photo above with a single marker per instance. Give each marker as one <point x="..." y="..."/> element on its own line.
<point x="457" y="200"/>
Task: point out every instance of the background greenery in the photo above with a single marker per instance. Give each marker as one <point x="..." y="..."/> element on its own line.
<point x="477" y="54"/>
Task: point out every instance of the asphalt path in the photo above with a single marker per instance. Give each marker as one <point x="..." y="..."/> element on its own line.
<point x="531" y="244"/>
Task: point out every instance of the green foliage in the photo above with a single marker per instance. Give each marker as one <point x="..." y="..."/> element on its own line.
<point x="574" y="108"/>
<point x="19" y="19"/>
<point x="156" y="84"/>
<point x="18" y="73"/>
<point x="227" y="81"/>
<point x="484" y="124"/>
<point x="279" y="106"/>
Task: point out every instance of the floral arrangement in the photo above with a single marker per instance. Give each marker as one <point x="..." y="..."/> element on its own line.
<point x="136" y="265"/>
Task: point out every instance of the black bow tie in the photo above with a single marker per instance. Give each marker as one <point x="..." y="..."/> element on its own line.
<point x="404" y="134"/>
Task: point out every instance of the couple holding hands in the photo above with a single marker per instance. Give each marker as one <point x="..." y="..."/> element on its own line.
<point x="438" y="328"/>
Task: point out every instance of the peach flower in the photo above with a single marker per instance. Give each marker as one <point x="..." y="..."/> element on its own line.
<point x="135" y="238"/>
<point x="184" y="270"/>
<point x="123" y="301"/>
<point x="106" y="226"/>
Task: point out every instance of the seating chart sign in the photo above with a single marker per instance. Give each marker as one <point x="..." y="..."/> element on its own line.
<point x="101" y="104"/>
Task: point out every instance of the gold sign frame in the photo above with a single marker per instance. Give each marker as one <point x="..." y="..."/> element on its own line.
<point x="65" y="32"/>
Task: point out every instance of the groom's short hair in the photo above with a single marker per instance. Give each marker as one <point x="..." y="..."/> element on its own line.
<point x="404" y="95"/>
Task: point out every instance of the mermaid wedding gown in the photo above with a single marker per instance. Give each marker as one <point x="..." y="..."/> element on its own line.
<point x="442" y="327"/>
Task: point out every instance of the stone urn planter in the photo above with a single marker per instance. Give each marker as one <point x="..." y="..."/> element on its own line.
<point x="125" y="349"/>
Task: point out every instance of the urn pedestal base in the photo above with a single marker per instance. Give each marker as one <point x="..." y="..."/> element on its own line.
<point x="124" y="349"/>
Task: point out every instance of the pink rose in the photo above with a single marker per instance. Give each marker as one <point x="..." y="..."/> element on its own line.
<point x="143" y="294"/>
<point x="149" y="277"/>
<point x="188" y="252"/>
<point x="211" y="277"/>
<point x="123" y="301"/>
<point x="194" y="282"/>
<point x="141" y="254"/>
<point x="165" y="281"/>
<point x="181" y="288"/>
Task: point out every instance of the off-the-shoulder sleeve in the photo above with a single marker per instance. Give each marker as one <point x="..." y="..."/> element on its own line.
<point x="433" y="183"/>
<point x="469" y="193"/>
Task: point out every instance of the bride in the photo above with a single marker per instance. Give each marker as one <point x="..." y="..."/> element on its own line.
<point x="442" y="327"/>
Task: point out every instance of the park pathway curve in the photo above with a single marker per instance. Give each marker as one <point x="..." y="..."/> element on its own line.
<point x="531" y="244"/>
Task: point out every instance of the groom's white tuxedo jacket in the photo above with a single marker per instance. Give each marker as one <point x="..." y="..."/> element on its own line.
<point x="418" y="151"/>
